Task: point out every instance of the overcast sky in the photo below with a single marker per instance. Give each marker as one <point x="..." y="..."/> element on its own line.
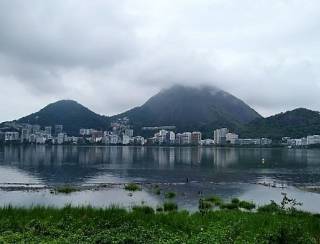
<point x="113" y="55"/>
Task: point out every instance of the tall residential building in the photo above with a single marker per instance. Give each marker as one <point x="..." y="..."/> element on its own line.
<point x="35" y="129"/>
<point x="186" y="138"/>
<point x="48" y="130"/>
<point x="195" y="138"/>
<point x="125" y="139"/>
<point x="220" y="136"/>
<point x="58" y="129"/>
<point x="170" y="137"/>
<point x="178" y="138"/>
<point x="25" y="133"/>
<point x="128" y="132"/>
<point x="231" y="138"/>
<point x="60" y="138"/>
<point x="11" y="136"/>
<point x="114" y="139"/>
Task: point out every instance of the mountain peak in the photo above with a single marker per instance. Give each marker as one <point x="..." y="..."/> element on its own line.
<point x="69" y="113"/>
<point x="192" y="108"/>
<point x="64" y="102"/>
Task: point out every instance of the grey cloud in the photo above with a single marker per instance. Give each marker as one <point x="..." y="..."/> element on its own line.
<point x="113" y="55"/>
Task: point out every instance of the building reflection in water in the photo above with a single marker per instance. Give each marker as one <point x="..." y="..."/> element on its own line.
<point x="163" y="157"/>
<point x="77" y="162"/>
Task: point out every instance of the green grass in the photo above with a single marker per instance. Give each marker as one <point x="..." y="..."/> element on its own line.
<point x="143" y="225"/>
<point x="215" y="200"/>
<point x="247" y="205"/>
<point x="157" y="191"/>
<point x="170" y="206"/>
<point x="132" y="187"/>
<point x="65" y="189"/>
<point x="170" y="195"/>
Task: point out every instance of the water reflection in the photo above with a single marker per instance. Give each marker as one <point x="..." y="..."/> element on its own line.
<point x="72" y="164"/>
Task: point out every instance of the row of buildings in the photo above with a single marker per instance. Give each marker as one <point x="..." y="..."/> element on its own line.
<point x="165" y="137"/>
<point x="121" y="133"/>
<point x="224" y="137"/>
<point x="302" y="142"/>
<point x="26" y="133"/>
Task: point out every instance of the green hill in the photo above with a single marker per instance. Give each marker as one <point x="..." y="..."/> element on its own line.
<point x="72" y="115"/>
<point x="296" y="124"/>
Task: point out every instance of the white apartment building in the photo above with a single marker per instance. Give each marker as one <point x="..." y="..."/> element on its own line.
<point x="315" y="139"/>
<point x="170" y="137"/>
<point x="11" y="136"/>
<point x="60" y="138"/>
<point x="195" y="138"/>
<point x="114" y="139"/>
<point x="207" y="142"/>
<point x="25" y="133"/>
<point x="35" y="129"/>
<point x="186" y="138"/>
<point x="125" y="139"/>
<point x="265" y="141"/>
<point x="231" y="138"/>
<point x="40" y="139"/>
<point x="128" y="132"/>
<point x="248" y="141"/>
<point x="48" y="130"/>
<point x="220" y="135"/>
<point x="178" y="138"/>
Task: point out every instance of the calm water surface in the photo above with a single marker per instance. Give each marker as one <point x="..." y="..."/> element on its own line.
<point x="189" y="171"/>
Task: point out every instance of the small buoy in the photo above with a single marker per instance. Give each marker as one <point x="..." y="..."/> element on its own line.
<point x="262" y="160"/>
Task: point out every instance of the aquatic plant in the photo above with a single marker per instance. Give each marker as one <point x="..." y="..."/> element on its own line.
<point x="214" y="199"/>
<point x="230" y="206"/>
<point x="65" y="189"/>
<point x="132" y="187"/>
<point x="235" y="200"/>
<point x="247" y="205"/>
<point x="169" y="195"/>
<point x="204" y="205"/>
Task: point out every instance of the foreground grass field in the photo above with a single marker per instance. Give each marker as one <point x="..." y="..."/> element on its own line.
<point x="143" y="225"/>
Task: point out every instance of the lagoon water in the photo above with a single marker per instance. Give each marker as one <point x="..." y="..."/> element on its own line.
<point x="253" y="174"/>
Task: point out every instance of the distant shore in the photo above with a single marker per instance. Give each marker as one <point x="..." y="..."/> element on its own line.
<point x="159" y="146"/>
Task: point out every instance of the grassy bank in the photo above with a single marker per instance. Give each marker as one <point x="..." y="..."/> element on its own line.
<point x="143" y="225"/>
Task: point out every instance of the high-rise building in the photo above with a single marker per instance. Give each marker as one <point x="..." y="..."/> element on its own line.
<point x="125" y="139"/>
<point x="195" y="138"/>
<point x="36" y="129"/>
<point x="25" y="133"/>
<point x="186" y="138"/>
<point x="48" y="130"/>
<point x="128" y="132"/>
<point x="170" y="137"/>
<point x="178" y="138"/>
<point x="58" y="129"/>
<point x="231" y="138"/>
<point x="60" y="138"/>
<point x="114" y="139"/>
<point x="220" y="136"/>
